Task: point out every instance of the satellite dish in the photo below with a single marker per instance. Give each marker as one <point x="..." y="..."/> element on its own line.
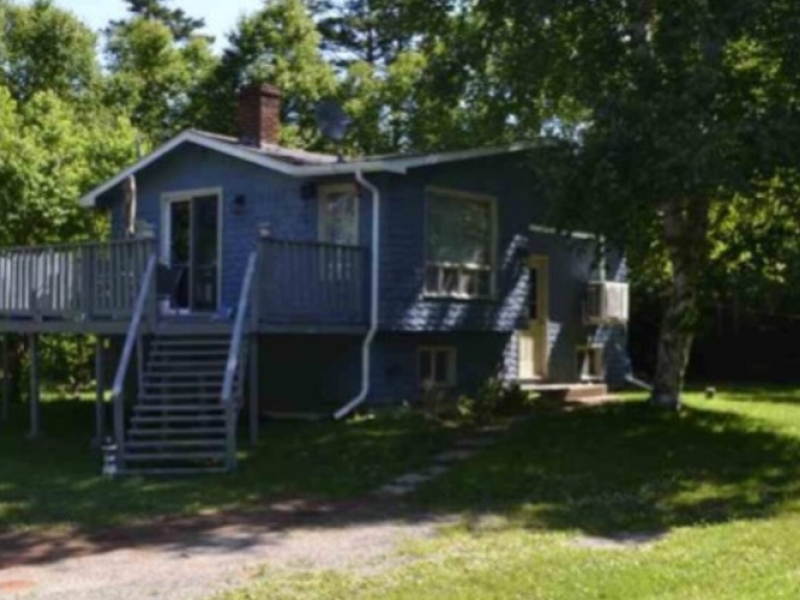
<point x="332" y="120"/>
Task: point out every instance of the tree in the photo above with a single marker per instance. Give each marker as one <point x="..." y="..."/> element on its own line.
<point x="377" y="31"/>
<point x="45" y="48"/>
<point x="155" y="73"/>
<point x="182" y="27"/>
<point x="278" y="44"/>
<point x="688" y="110"/>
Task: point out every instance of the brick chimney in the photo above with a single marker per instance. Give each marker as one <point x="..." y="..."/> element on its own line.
<point x="259" y="115"/>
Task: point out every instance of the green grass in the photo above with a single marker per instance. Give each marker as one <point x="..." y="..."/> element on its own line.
<point x="715" y="488"/>
<point x="55" y="481"/>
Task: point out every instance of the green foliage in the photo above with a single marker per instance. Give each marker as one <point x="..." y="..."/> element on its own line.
<point x="493" y="400"/>
<point x="278" y="44"/>
<point x="155" y="74"/>
<point x="45" y="48"/>
<point x="181" y="26"/>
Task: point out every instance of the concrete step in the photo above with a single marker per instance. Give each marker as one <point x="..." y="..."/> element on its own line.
<point x="183" y="408"/>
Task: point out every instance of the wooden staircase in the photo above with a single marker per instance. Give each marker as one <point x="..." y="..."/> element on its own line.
<point x="179" y="424"/>
<point x="189" y="392"/>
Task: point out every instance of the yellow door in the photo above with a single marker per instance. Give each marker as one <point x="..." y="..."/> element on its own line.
<point x="533" y="351"/>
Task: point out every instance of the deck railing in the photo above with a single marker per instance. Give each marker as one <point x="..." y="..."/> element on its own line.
<point x="90" y="280"/>
<point x="312" y="283"/>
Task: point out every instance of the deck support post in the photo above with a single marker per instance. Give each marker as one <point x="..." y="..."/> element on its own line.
<point x="35" y="397"/>
<point x="6" y="381"/>
<point x="100" y="389"/>
<point x="253" y="390"/>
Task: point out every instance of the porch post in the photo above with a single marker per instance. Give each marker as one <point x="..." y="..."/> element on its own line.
<point x="6" y="381"/>
<point x="99" y="406"/>
<point x="35" y="388"/>
<point x="253" y="389"/>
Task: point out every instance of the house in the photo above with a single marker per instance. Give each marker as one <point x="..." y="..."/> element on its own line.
<point x="246" y="277"/>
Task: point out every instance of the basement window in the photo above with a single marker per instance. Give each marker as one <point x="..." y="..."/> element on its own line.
<point x="437" y="367"/>
<point x="591" y="363"/>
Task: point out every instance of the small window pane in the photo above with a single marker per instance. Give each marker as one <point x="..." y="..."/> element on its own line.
<point x="533" y="295"/>
<point x="432" y="280"/>
<point x="484" y="284"/>
<point x="450" y="280"/>
<point x="339" y="217"/>
<point x="425" y="367"/>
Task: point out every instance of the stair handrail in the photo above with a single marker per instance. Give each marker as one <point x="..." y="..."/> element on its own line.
<point x="235" y="352"/>
<point x="134" y="330"/>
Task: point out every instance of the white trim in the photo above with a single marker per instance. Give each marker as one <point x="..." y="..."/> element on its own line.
<point x="494" y="244"/>
<point x="398" y="164"/>
<point x="578" y="235"/>
<point x="165" y="239"/>
<point x="328" y="188"/>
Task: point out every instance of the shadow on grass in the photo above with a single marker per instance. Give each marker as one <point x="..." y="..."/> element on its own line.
<point x="626" y="468"/>
<point x="604" y="471"/>
<point x="55" y="481"/>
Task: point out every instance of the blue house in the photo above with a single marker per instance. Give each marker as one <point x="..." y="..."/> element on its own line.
<point x="243" y="277"/>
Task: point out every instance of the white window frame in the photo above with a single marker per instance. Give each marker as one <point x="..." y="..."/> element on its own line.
<point x="323" y="191"/>
<point x="463" y="269"/>
<point x="591" y="362"/>
<point x="451" y="378"/>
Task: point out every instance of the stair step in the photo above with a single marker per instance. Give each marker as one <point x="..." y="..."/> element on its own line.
<point x="181" y="408"/>
<point x="176" y="444"/>
<point x="140" y="432"/>
<point x="187" y="367"/>
<point x="184" y="385"/>
<point x="148" y="396"/>
<point x="171" y="456"/>
<point x="174" y="419"/>
<point x="195" y="356"/>
<point x="158" y="471"/>
<point x="180" y="343"/>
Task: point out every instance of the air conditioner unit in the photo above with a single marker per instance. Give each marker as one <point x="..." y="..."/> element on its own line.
<point x="606" y="303"/>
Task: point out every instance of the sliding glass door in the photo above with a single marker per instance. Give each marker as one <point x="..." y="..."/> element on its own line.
<point x="194" y="249"/>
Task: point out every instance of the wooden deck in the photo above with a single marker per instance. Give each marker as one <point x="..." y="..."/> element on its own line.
<point x="299" y="288"/>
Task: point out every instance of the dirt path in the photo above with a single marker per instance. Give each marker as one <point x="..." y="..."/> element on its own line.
<point x="194" y="559"/>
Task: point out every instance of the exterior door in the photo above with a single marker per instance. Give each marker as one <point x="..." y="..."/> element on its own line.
<point x="192" y="251"/>
<point x="533" y="343"/>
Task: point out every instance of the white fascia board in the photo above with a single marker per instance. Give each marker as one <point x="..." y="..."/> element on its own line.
<point x="445" y="157"/>
<point x="90" y="199"/>
<point x="389" y="165"/>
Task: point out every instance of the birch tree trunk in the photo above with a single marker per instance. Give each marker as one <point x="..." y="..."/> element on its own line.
<point x="684" y="227"/>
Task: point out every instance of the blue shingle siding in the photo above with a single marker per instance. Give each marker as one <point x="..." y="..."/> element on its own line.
<point x="270" y="197"/>
<point x="479" y="356"/>
<point x="302" y="372"/>
<point x="484" y="332"/>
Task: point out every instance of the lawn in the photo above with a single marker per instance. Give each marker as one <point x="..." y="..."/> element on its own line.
<point x="55" y="483"/>
<point x="608" y="502"/>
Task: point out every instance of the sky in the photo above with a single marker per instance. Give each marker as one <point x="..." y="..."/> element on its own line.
<point x="220" y="15"/>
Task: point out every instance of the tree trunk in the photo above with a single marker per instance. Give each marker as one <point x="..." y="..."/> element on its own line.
<point x="685" y="228"/>
<point x="674" y="343"/>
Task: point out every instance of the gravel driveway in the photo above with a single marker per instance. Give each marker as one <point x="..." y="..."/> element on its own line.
<point x="195" y="559"/>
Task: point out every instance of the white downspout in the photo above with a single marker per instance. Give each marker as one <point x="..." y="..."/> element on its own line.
<point x="366" y="349"/>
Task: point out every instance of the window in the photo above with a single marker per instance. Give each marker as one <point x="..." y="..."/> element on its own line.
<point x="591" y="363"/>
<point x="338" y="215"/>
<point x="533" y="294"/>
<point x="459" y="255"/>
<point x="437" y="367"/>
